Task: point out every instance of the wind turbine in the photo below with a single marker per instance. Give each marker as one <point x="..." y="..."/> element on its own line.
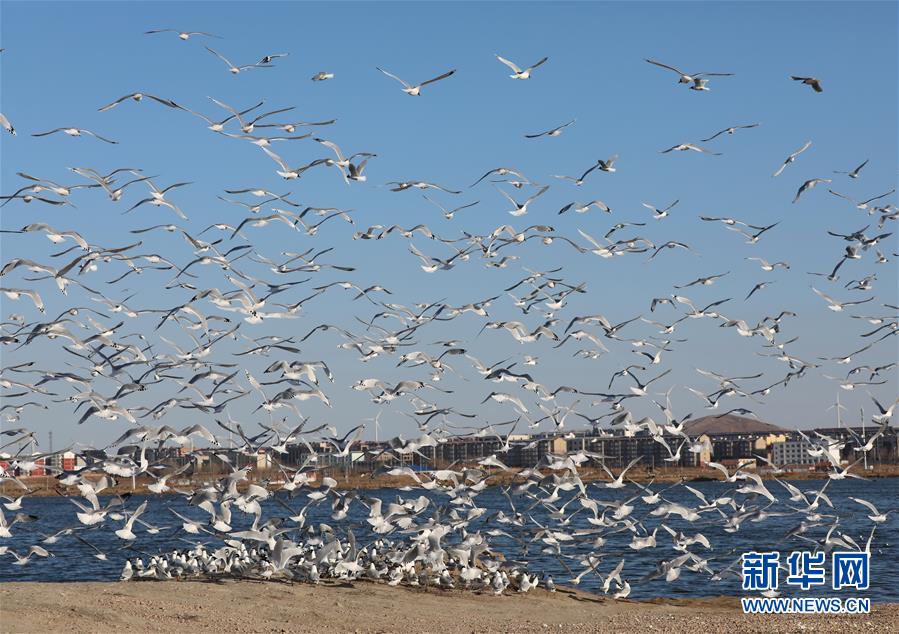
<point x="837" y="407"/>
<point x="377" y="421"/>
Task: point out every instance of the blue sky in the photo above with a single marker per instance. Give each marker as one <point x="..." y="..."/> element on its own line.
<point x="64" y="60"/>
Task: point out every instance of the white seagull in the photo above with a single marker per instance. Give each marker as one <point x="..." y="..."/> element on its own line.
<point x="76" y="132"/>
<point x="415" y="91"/>
<point x="517" y="72"/>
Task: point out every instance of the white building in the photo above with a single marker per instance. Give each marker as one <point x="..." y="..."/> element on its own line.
<point x="796" y="452"/>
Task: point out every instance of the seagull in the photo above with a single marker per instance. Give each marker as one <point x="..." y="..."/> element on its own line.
<point x="730" y="130"/>
<point x="809" y="184"/>
<point x="557" y="131"/>
<point x="17" y="293"/>
<point x="415" y="91"/>
<point x="583" y="208"/>
<point x="792" y="157"/>
<point x="268" y="59"/>
<point x="660" y="213"/>
<point x="399" y="186"/>
<point x="126" y="532"/>
<point x="758" y="287"/>
<point x="766" y="266"/>
<point x="854" y="173"/>
<point x="450" y="213"/>
<point x="618" y="482"/>
<point x="694" y="78"/>
<point x="671" y="244"/>
<point x="182" y="35"/>
<point x="499" y="171"/>
<point x="602" y="165"/>
<point x="703" y="281"/>
<point x="522" y="208"/>
<point x="502" y="397"/>
<point x="862" y="205"/>
<point x="235" y="70"/>
<point x="138" y="97"/>
<point x="877" y="517"/>
<point x="685" y="147"/>
<point x="322" y="76"/>
<point x="289" y="173"/>
<point x="836" y="306"/>
<point x="7" y="125"/>
<point x="814" y="82"/>
<point x="157" y="199"/>
<point x="76" y="132"/>
<point x="517" y="72"/>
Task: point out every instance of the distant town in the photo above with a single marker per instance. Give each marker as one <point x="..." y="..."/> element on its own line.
<point x="729" y="441"/>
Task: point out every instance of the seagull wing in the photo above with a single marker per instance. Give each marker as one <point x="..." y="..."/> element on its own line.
<point x="541" y="62"/>
<point x="102" y="138"/>
<point x="866" y="504"/>
<point x="438" y="78"/>
<point x="391" y="75"/>
<point x="284" y="166"/>
<point x="716" y="135"/>
<point x="589" y="238"/>
<point x="109" y="106"/>
<point x="652" y="61"/>
<point x="824" y="296"/>
<point x="807" y="145"/>
<point x="511" y="65"/>
<point x="220" y="56"/>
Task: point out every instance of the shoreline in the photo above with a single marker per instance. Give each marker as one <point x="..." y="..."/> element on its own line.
<point x="247" y="606"/>
<point x="43" y="486"/>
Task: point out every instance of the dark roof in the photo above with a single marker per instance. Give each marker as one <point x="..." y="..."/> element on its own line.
<point x="729" y="424"/>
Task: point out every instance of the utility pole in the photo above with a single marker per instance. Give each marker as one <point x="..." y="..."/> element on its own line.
<point x="864" y="435"/>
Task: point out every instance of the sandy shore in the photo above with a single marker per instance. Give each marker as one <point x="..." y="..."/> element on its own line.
<point x="236" y="607"/>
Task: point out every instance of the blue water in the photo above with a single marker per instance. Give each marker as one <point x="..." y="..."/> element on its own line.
<point x="73" y="560"/>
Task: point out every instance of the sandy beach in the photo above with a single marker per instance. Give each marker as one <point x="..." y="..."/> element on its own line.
<point x="244" y="607"/>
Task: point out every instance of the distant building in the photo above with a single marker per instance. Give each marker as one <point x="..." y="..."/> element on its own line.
<point x="66" y="461"/>
<point x="796" y="453"/>
<point x="884" y="450"/>
<point x="620" y="449"/>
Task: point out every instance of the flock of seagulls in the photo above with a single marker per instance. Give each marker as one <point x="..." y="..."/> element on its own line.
<point x="201" y="345"/>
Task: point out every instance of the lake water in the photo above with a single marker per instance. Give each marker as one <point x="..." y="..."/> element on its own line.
<point x="73" y="560"/>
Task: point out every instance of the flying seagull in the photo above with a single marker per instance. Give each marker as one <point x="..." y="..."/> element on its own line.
<point x="554" y="132"/>
<point x="517" y="72"/>
<point x="697" y="79"/>
<point x="792" y="157"/>
<point x="7" y="125"/>
<point x="836" y="306"/>
<point x="730" y="130"/>
<point x="138" y="97"/>
<point x="415" y="91"/>
<point x="234" y="70"/>
<point x="660" y="213"/>
<point x="807" y="185"/>
<point x="76" y="132"/>
<point x="686" y="147"/>
<point x="809" y="81"/>
<point x="182" y="35"/>
<point x="854" y="173"/>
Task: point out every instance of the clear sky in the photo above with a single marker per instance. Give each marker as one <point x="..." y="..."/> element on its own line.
<point x="65" y="60"/>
